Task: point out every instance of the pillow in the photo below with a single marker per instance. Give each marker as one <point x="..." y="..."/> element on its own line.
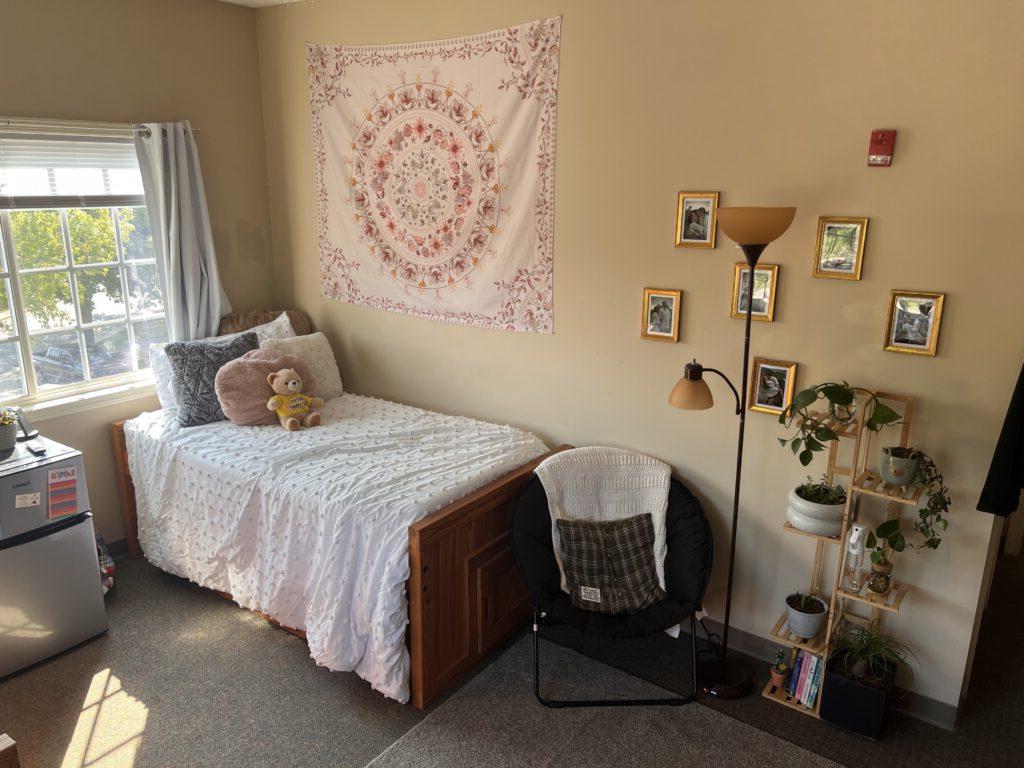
<point x="609" y="565"/>
<point x="194" y="366"/>
<point x="242" y="387"/>
<point x="316" y="351"/>
<point x="278" y="328"/>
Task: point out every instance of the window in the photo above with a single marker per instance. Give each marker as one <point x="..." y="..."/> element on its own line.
<point x="81" y="294"/>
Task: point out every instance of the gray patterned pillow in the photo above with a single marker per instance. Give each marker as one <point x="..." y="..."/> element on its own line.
<point x="194" y="366"/>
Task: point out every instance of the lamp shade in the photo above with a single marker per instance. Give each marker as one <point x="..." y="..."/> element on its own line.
<point x="755" y="226"/>
<point x="691" y="395"/>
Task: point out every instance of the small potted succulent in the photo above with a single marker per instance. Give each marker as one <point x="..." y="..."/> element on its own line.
<point x="860" y="678"/>
<point x="8" y="429"/>
<point x="779" y="669"/>
<point x="817" y="507"/>
<point x="805" y="615"/>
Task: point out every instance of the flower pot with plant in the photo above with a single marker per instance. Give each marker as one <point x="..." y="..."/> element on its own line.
<point x="8" y="429"/>
<point x="860" y="678"/>
<point x="779" y="669"/>
<point x="817" y="507"/>
<point x="805" y="615"/>
<point x="898" y="465"/>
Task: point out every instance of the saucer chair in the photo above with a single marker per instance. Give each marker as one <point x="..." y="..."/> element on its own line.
<point x="687" y="571"/>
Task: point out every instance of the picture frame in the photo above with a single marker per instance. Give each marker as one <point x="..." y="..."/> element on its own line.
<point x="772" y="383"/>
<point x="764" y="291"/>
<point x="659" y="319"/>
<point x="696" y="219"/>
<point x="914" y="321"/>
<point x="839" y="248"/>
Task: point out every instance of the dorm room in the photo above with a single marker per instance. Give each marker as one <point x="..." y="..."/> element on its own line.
<point x="328" y="435"/>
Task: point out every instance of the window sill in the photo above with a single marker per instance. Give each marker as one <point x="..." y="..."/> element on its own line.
<point x="51" y="408"/>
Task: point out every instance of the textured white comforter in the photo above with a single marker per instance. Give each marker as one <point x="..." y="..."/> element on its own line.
<point x="311" y="527"/>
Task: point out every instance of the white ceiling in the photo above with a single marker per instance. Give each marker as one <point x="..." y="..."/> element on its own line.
<point x="259" y="3"/>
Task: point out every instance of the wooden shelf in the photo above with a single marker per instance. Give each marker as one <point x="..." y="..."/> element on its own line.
<point x="788" y="526"/>
<point x="782" y="697"/>
<point x="890" y="602"/>
<point x="849" y="429"/>
<point x="871" y="483"/>
<point x="780" y="633"/>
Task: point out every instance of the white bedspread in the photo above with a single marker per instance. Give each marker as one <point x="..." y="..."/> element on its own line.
<point x="311" y="527"/>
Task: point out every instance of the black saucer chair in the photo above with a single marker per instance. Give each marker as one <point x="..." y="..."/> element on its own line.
<point x="687" y="571"/>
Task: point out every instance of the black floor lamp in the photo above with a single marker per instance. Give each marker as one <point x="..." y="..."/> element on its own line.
<point x="752" y="229"/>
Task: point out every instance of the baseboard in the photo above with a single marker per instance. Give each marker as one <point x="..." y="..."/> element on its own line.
<point x="929" y="710"/>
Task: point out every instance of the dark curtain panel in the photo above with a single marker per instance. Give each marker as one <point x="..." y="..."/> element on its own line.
<point x="1001" y="493"/>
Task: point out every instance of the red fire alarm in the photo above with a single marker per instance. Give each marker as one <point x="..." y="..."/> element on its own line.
<point x="883" y="141"/>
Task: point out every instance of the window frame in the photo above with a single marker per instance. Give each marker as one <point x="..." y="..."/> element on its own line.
<point x="11" y="272"/>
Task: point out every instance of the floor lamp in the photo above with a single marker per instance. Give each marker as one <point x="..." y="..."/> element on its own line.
<point x="752" y="229"/>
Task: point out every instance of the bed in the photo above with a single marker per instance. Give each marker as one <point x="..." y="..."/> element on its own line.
<point x="381" y="537"/>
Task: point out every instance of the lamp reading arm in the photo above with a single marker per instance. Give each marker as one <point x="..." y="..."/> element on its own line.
<point x="736" y="394"/>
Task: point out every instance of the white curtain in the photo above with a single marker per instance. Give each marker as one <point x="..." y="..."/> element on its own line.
<point x="180" y="223"/>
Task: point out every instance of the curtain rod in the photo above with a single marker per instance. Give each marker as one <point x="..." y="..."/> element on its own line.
<point x="73" y="128"/>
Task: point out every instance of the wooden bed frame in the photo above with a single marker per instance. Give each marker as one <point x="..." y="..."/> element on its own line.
<point x="466" y="596"/>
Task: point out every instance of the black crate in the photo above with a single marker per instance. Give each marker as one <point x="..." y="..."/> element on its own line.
<point x="856" y="705"/>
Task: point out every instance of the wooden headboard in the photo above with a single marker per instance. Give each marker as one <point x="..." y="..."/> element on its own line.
<point x="243" y="321"/>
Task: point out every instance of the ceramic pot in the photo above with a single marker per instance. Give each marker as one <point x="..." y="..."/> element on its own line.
<point x="806" y="625"/>
<point x="778" y="679"/>
<point x="8" y="436"/>
<point x="820" y="519"/>
<point x="896" y="470"/>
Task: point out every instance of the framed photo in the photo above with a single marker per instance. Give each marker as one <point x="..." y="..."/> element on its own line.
<point x="913" y="325"/>
<point x="696" y="219"/>
<point x="660" y="320"/>
<point x="765" y="278"/>
<point x="771" y="385"/>
<point x="839" y="252"/>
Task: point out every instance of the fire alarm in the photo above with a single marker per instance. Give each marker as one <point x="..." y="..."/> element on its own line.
<point x="883" y="141"/>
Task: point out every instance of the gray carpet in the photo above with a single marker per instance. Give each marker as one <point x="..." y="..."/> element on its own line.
<point x="185" y="678"/>
<point x="494" y="721"/>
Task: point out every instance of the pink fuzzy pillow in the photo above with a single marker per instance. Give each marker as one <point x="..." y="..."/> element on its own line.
<point x="242" y="387"/>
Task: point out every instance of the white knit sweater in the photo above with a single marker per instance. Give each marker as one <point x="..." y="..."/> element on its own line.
<point x="600" y="484"/>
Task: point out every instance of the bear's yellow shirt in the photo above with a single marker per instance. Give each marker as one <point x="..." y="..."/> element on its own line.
<point x="294" y="405"/>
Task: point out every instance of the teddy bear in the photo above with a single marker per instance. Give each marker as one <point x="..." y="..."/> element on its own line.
<point x="294" y="409"/>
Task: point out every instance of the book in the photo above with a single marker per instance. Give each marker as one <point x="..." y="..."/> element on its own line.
<point x="812" y="695"/>
<point x="810" y="662"/>
<point x="795" y="676"/>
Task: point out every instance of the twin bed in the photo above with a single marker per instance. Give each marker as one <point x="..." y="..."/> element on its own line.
<point x="381" y="536"/>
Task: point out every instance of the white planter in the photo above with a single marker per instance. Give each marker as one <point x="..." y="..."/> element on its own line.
<point x="806" y="625"/>
<point x="820" y="519"/>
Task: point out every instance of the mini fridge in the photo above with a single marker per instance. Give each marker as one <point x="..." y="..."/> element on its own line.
<point x="50" y="593"/>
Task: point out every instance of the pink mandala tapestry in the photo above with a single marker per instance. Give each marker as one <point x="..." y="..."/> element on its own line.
<point x="435" y="175"/>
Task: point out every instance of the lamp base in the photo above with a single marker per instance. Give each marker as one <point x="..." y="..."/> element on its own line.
<point x="724" y="679"/>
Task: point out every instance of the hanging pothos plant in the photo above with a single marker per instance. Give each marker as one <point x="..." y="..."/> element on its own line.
<point x="813" y="432"/>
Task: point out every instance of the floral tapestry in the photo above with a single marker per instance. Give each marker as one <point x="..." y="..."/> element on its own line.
<point x="434" y="167"/>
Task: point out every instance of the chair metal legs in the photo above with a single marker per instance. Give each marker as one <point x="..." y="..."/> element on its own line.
<point x="539" y="615"/>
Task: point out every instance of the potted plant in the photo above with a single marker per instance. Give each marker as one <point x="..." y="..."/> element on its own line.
<point x="8" y="429"/>
<point x="805" y="615"/>
<point x="860" y="678"/>
<point x="898" y="465"/>
<point x="812" y="431"/>
<point x="817" y="507"/>
<point x="779" y="669"/>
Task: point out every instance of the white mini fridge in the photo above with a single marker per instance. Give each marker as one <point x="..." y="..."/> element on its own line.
<point x="50" y="593"/>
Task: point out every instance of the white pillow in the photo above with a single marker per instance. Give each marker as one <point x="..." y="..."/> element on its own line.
<point x="316" y="352"/>
<point x="278" y="328"/>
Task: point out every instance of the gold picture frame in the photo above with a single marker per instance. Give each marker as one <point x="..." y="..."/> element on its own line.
<point x="767" y="314"/>
<point x="914" y="321"/>
<point x="843" y="238"/>
<point x="653" y="324"/>
<point x="767" y="393"/>
<point x="706" y="219"/>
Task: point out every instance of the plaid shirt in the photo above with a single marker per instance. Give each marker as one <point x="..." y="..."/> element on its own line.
<point x="609" y="566"/>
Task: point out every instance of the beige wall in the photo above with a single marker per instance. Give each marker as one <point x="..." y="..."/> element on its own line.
<point x="151" y="60"/>
<point x="769" y="103"/>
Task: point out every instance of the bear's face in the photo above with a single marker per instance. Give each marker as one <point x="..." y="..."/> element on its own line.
<point x="285" y="382"/>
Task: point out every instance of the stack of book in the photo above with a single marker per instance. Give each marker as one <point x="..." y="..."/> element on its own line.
<point x="805" y="679"/>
